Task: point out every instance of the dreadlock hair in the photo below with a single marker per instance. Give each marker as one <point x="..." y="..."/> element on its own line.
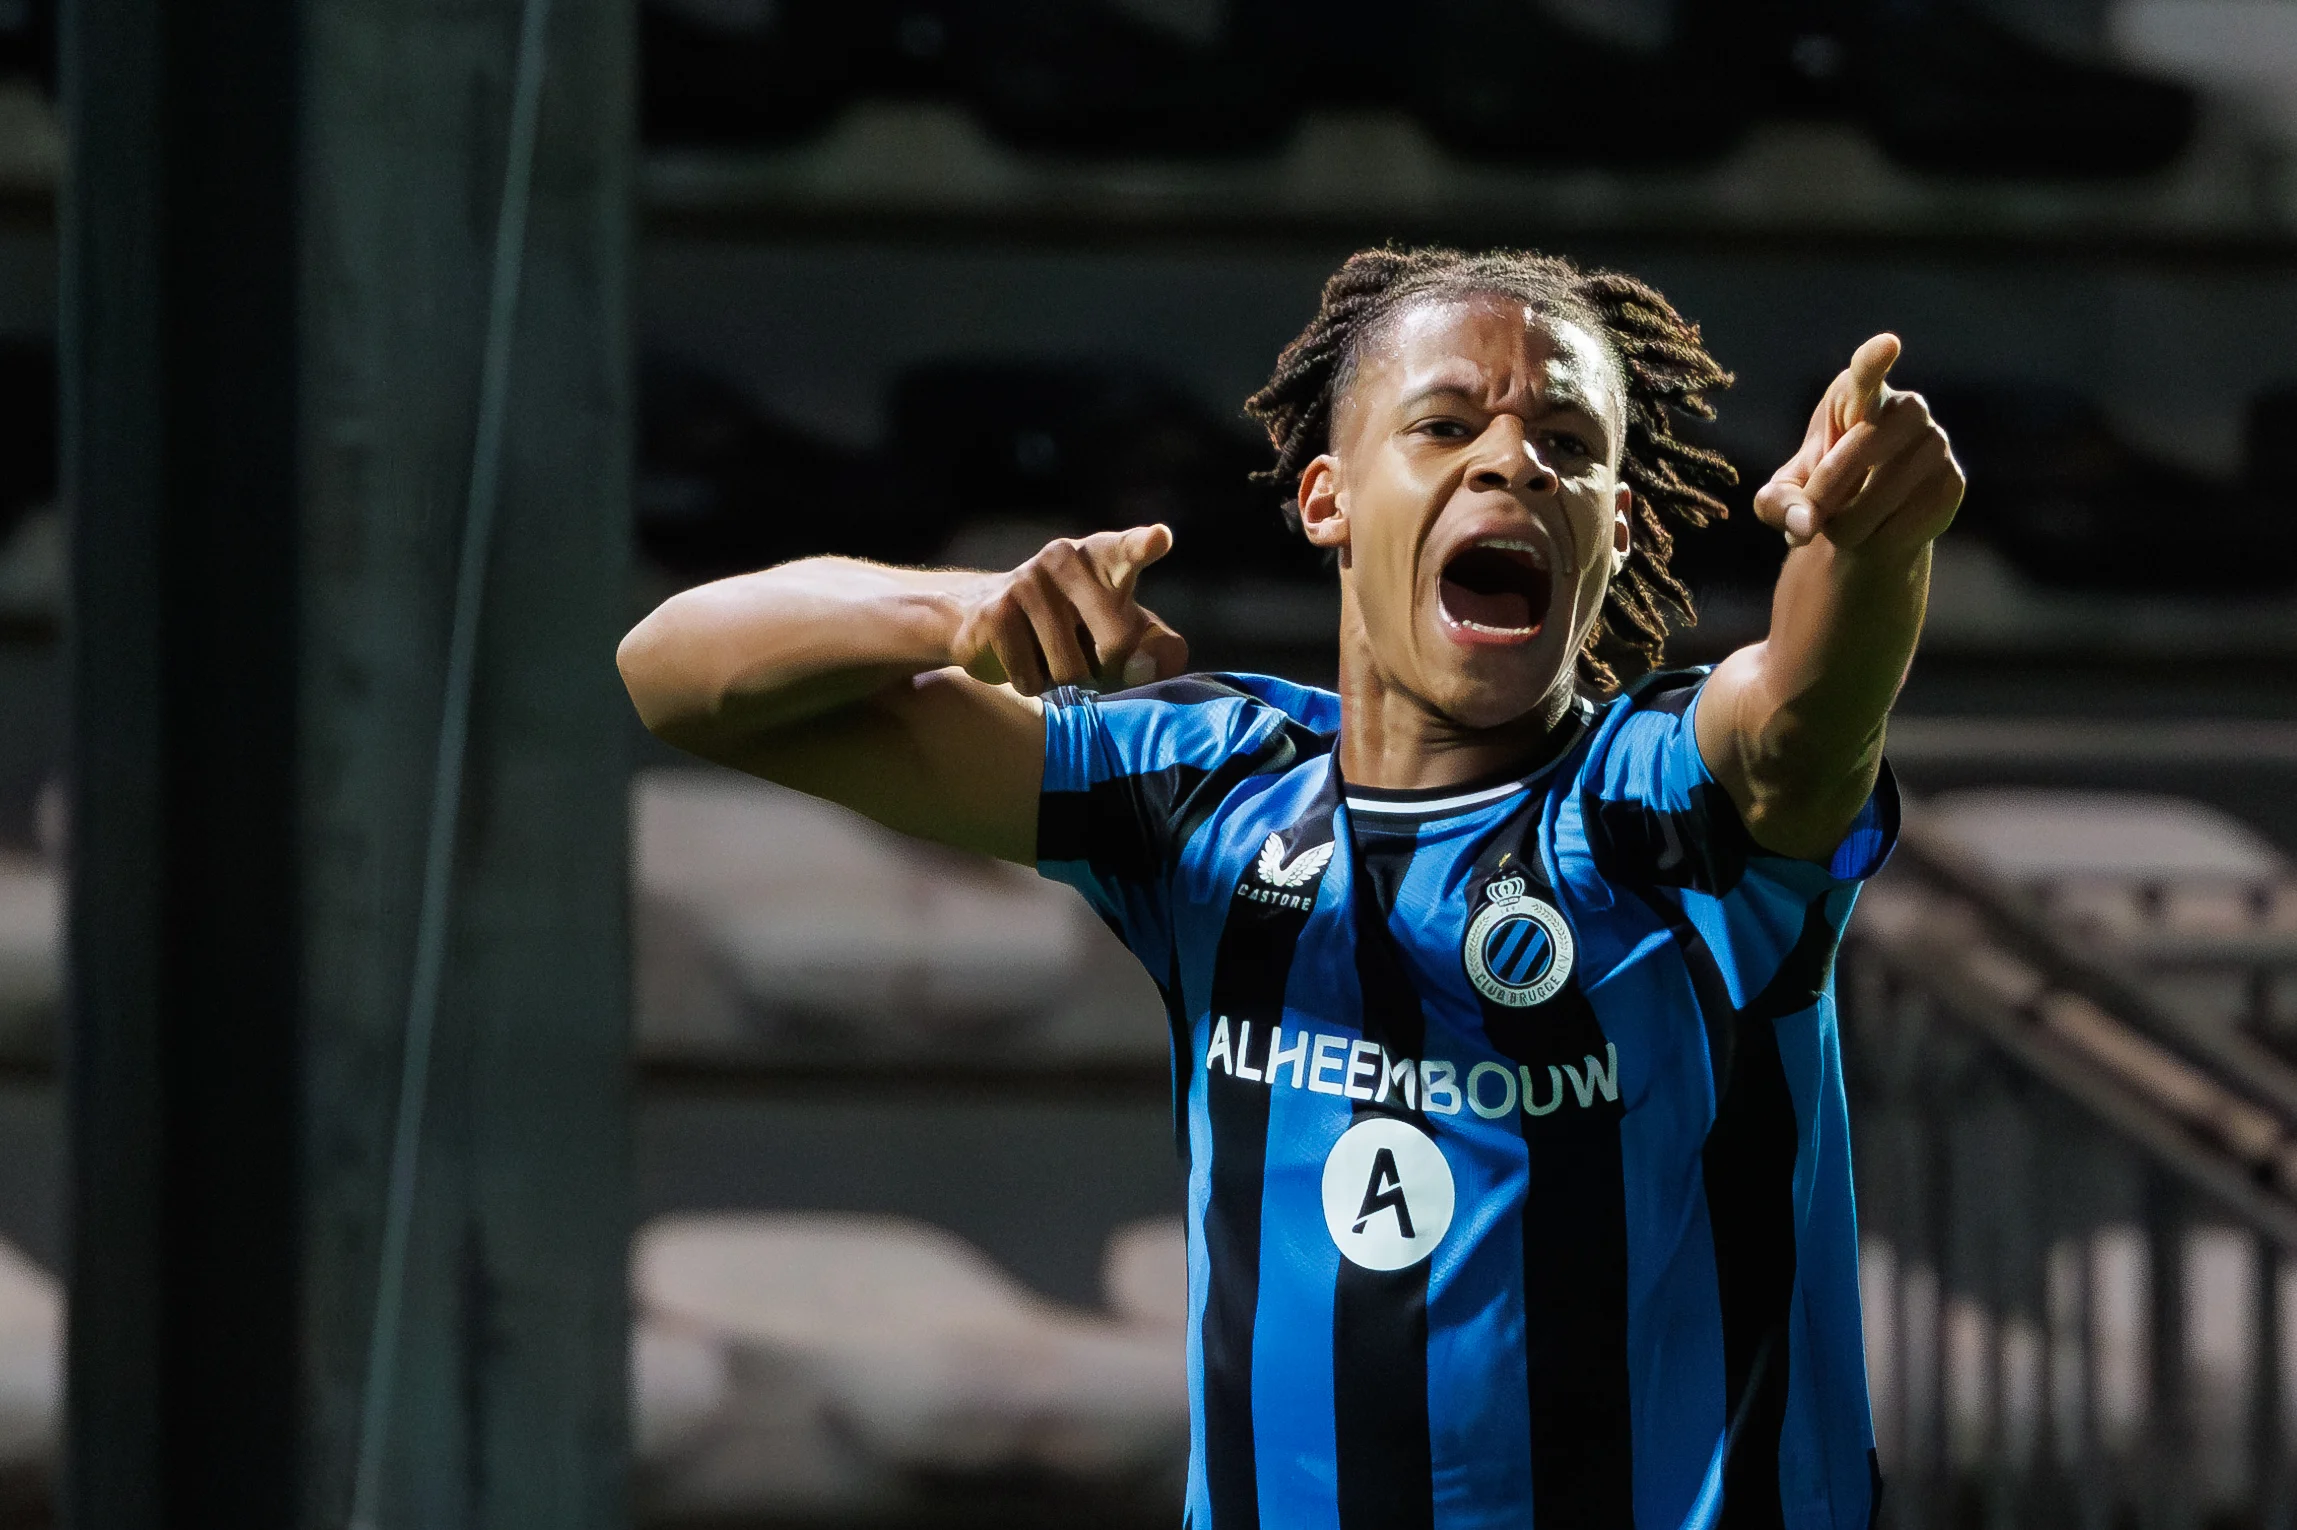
<point x="1664" y="367"/>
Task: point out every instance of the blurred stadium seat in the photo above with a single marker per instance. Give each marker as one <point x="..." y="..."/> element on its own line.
<point x="2245" y="50"/>
<point x="745" y="73"/>
<point x="1074" y="445"/>
<point x="1086" y="76"/>
<point x="874" y="1362"/>
<point x="1693" y="104"/>
<point x="1940" y="85"/>
<point x="1944" y="88"/>
<point x="1144" y="1273"/>
<point x="31" y="957"/>
<point x="771" y="925"/>
<point x="2074" y="505"/>
<point x="31" y="1385"/>
<point x="2202" y="908"/>
<point x="723" y="489"/>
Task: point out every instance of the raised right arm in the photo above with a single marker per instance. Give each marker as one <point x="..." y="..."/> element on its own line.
<point x="907" y="695"/>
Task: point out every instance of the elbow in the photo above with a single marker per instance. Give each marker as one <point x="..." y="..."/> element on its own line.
<point x="647" y="660"/>
<point x="634" y="658"/>
<point x="1799" y="790"/>
<point x="1808" y="832"/>
<point x="1804" y="815"/>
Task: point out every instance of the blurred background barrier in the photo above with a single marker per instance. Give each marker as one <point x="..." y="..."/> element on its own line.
<point x="2076" y="1127"/>
<point x="282" y="248"/>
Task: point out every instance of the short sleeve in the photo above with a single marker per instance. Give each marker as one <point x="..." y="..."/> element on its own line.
<point x="1658" y="816"/>
<point x="1660" y="824"/>
<point x="1126" y="778"/>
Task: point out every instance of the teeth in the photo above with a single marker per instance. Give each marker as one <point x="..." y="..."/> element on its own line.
<point x="1483" y="627"/>
<point x="1537" y="555"/>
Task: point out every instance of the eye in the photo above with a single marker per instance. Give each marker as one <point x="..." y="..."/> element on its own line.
<point x="1443" y="428"/>
<point x="1567" y="446"/>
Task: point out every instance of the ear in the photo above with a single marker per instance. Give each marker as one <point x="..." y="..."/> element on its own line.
<point x="1323" y="517"/>
<point x="1622" y="527"/>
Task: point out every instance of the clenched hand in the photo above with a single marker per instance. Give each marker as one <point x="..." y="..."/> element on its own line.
<point x="1068" y="616"/>
<point x="1875" y="472"/>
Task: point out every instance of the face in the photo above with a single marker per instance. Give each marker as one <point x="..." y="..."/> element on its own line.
<point x="1473" y="495"/>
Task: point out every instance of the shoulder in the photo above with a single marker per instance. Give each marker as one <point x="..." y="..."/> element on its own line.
<point x="1192" y="720"/>
<point x="1132" y="775"/>
<point x="1644" y="729"/>
<point x="1258" y="695"/>
<point x="1653" y="814"/>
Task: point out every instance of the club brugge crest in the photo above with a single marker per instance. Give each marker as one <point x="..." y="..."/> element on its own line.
<point x="1518" y="949"/>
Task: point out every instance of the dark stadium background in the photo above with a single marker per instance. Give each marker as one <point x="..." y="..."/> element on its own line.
<point x="934" y="280"/>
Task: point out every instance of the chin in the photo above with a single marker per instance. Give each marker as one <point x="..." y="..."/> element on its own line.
<point x="1492" y="686"/>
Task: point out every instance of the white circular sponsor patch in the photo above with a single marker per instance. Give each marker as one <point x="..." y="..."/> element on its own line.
<point x="1519" y="948"/>
<point x="1387" y="1194"/>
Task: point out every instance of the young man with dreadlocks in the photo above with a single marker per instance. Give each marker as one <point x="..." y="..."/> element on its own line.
<point x="1503" y="1036"/>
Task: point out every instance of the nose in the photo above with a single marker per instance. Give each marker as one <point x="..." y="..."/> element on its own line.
<point x="1506" y="460"/>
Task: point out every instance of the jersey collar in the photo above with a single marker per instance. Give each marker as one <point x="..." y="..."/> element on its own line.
<point x="1443" y="801"/>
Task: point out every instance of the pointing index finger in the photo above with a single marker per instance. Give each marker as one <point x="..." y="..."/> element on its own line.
<point x="1869" y="365"/>
<point x="1136" y="550"/>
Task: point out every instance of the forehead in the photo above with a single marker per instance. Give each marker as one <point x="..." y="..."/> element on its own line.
<point x="1502" y="349"/>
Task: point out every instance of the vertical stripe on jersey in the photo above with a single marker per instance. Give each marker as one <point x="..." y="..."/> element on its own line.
<point x="1380" y="1317"/>
<point x="1183" y="1052"/>
<point x="1574" y="1239"/>
<point x="1748" y="1166"/>
<point x="1279" y="754"/>
<point x="1250" y="972"/>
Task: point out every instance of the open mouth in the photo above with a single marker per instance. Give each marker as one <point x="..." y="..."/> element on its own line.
<point x="1497" y="589"/>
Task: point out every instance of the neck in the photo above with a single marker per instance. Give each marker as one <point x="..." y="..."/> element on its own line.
<point x="1392" y="739"/>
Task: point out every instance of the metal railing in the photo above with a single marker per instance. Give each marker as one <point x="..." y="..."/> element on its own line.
<point x="2077" y="1206"/>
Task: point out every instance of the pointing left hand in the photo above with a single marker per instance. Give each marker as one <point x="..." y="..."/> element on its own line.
<point x="1875" y="472"/>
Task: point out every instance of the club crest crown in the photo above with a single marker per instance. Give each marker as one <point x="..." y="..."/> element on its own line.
<point x="1505" y="889"/>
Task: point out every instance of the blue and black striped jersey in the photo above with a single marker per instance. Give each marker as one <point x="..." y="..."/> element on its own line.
<point x="1519" y="1186"/>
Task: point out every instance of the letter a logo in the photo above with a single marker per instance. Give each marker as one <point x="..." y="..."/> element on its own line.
<point x="1387" y="1194"/>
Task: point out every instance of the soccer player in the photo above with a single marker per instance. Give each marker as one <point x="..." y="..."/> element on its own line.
<point x="1504" y="1046"/>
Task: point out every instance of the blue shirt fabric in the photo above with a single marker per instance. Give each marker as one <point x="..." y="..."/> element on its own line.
<point x="1519" y="1186"/>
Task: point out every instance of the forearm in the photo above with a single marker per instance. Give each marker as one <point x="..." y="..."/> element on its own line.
<point x="1844" y="624"/>
<point x="720" y="665"/>
<point x="1800" y="731"/>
